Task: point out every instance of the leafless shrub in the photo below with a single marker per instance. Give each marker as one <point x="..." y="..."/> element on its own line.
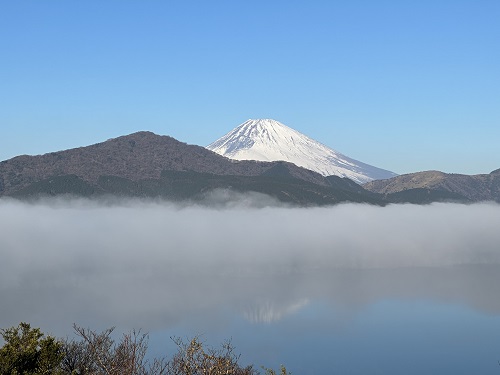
<point x="98" y="354"/>
<point x="194" y="358"/>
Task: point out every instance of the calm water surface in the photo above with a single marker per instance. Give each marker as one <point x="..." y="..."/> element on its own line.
<point x="315" y="321"/>
<point x="382" y="321"/>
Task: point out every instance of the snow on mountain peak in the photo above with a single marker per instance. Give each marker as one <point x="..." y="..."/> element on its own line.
<point x="270" y="140"/>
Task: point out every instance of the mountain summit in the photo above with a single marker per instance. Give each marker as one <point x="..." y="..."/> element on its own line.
<point x="270" y="140"/>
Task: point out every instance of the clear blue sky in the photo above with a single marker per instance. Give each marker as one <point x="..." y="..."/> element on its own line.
<point x="403" y="85"/>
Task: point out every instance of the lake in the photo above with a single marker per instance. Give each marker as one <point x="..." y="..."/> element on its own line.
<point x="380" y="321"/>
<point x="351" y="289"/>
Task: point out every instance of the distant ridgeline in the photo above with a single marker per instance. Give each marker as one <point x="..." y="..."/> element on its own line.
<point x="144" y="164"/>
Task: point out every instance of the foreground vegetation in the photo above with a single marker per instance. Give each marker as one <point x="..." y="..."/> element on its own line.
<point x="28" y="351"/>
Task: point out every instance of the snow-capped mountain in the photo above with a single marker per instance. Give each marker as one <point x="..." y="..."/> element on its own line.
<point x="270" y="140"/>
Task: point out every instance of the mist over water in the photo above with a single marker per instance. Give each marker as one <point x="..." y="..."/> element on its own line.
<point x="156" y="265"/>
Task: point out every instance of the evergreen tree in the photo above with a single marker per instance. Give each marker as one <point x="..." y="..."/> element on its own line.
<point x="27" y="351"/>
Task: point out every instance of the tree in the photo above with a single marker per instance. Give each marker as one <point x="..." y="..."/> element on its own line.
<point x="194" y="358"/>
<point x="27" y="352"/>
<point x="77" y="359"/>
<point x="99" y="354"/>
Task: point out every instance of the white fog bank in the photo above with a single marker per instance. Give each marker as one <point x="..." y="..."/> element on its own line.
<point x="78" y="260"/>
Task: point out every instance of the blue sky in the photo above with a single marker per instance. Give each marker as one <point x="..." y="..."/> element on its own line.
<point x="402" y="85"/>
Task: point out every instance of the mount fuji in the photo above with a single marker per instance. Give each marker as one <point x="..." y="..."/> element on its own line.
<point x="270" y="140"/>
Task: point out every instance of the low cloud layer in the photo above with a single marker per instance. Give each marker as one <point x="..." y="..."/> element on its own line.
<point x="148" y="263"/>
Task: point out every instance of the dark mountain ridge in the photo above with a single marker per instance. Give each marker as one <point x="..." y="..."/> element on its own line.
<point x="136" y="156"/>
<point x="146" y="164"/>
<point x="471" y="188"/>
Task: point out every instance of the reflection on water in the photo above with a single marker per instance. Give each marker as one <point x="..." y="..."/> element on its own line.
<point x="268" y="311"/>
<point x="401" y="320"/>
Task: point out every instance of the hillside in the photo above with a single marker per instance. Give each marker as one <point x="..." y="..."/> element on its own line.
<point x="472" y="188"/>
<point x="148" y="165"/>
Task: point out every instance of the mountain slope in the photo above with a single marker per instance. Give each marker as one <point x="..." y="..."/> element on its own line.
<point x="473" y="188"/>
<point x="136" y="156"/>
<point x="270" y="140"/>
<point x="144" y="164"/>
